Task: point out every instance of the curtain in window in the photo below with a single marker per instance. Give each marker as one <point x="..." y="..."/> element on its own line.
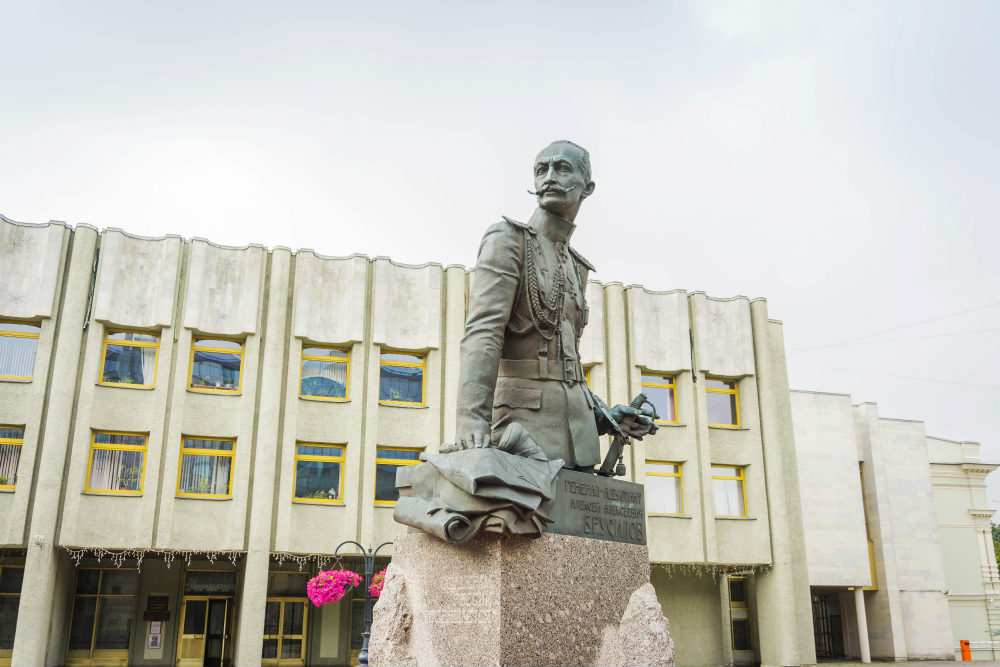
<point x="205" y="474"/>
<point x="17" y="356"/>
<point x="10" y="456"/>
<point x="728" y="497"/>
<point x="115" y="470"/>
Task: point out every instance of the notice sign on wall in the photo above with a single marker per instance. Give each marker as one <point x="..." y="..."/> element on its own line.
<point x="602" y="508"/>
<point x="157" y="608"/>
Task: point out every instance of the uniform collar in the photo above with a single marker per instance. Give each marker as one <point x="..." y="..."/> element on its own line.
<point x="551" y="226"/>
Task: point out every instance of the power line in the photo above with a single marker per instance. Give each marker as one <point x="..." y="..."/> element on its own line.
<point x="897" y="340"/>
<point x="904" y="326"/>
<point x="905" y="377"/>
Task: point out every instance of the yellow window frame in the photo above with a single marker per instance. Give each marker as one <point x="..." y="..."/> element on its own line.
<point x="395" y="462"/>
<point x="129" y="343"/>
<point x="735" y="392"/>
<point x="422" y="364"/>
<point x="743" y="486"/>
<point x="680" y="484"/>
<point x="119" y="448"/>
<point x="5" y="654"/>
<point x="222" y="350"/>
<point x="18" y="442"/>
<point x="739" y="607"/>
<point x="96" y="656"/>
<point x="670" y="382"/>
<point x="322" y="459"/>
<point x="20" y="334"/>
<point x="281" y="636"/>
<point x="335" y="360"/>
<point x="197" y="451"/>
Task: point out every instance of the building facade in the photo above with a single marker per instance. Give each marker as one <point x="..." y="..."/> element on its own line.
<point x="189" y="431"/>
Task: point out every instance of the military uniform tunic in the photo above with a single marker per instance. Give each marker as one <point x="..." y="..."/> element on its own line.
<point x="519" y="356"/>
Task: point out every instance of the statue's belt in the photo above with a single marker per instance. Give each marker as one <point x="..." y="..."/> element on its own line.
<point x="564" y="370"/>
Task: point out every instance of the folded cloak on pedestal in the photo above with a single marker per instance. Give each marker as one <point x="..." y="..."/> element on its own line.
<point x="494" y="489"/>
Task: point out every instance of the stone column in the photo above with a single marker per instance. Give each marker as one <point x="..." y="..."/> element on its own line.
<point x="859" y="610"/>
<point x="41" y="565"/>
<point x="270" y="397"/>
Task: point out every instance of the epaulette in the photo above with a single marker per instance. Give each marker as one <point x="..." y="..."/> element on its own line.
<point x="583" y="260"/>
<point x="520" y="225"/>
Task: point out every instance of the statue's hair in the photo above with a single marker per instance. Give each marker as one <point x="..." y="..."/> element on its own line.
<point x="585" y="156"/>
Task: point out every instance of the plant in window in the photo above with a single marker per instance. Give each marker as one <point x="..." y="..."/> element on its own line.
<point x="331" y="585"/>
<point x="128" y="478"/>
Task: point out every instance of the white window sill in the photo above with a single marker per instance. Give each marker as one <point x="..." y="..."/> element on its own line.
<point x="670" y="516"/>
<point x="119" y="386"/>
<point x="736" y="518"/>
<point x="330" y="504"/>
<point x="111" y="495"/>
<point x="731" y="428"/>
<point x="213" y="393"/>
<point x="669" y="424"/>
<point x="17" y="381"/>
<point x="317" y="399"/>
<point x="199" y="498"/>
<point x="409" y="407"/>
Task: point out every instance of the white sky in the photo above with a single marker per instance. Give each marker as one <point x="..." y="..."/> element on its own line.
<point x="838" y="158"/>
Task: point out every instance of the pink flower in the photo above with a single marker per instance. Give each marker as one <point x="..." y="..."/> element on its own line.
<point x="378" y="581"/>
<point x="331" y="585"/>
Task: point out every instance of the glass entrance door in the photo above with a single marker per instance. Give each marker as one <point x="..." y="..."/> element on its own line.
<point x="206" y="632"/>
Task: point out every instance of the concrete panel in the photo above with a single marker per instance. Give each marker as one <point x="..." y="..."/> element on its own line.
<point x="691" y="604"/>
<point x="223" y="288"/>
<point x="137" y="280"/>
<point x="725" y="338"/>
<point x="329" y="297"/>
<point x="407" y="305"/>
<point x="659" y="328"/>
<point x="29" y="267"/>
<point x="592" y="340"/>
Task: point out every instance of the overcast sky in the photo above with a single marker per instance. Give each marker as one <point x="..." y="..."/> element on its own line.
<point x="838" y="158"/>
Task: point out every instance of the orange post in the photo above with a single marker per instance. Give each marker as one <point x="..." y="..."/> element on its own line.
<point x="966" y="651"/>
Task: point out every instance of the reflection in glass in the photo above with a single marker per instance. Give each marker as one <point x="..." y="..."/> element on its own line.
<point x="663" y="495"/>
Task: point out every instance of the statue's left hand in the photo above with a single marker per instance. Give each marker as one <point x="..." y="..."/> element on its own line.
<point x="633" y="423"/>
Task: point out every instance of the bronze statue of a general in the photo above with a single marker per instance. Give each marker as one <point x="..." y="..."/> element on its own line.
<point x="520" y="359"/>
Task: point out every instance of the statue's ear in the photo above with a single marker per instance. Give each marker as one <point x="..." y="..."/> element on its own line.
<point x="588" y="189"/>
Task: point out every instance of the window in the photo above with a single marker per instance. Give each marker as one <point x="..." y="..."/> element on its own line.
<point x="11" y="439"/>
<point x="401" y="379"/>
<point x="661" y="392"/>
<point x="319" y="473"/>
<point x="739" y="613"/>
<point x="117" y="463"/>
<point x="18" y="344"/>
<point x="723" y="403"/>
<point x="387" y="461"/>
<point x="285" y="619"/>
<point x="325" y="373"/>
<point x="729" y="491"/>
<point x="216" y="365"/>
<point x="103" y="607"/>
<point x="10" y="597"/>
<point x="129" y="359"/>
<point x="206" y="468"/>
<point x="663" y="488"/>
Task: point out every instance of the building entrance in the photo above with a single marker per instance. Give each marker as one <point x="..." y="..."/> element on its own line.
<point x="206" y="632"/>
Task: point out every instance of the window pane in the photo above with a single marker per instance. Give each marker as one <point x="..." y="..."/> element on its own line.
<point x="324" y="352"/>
<point x="221" y="445"/>
<point x="313" y="450"/>
<point x="119" y="582"/>
<point x="114" y="623"/>
<point x="10" y="579"/>
<point x="385" y="482"/>
<point x="741" y="635"/>
<point x="119" y="439"/>
<point x="210" y="583"/>
<point x="219" y="370"/>
<point x="326" y="379"/>
<point x="194" y="617"/>
<point x="391" y="453"/>
<point x="82" y="630"/>
<point x="287" y="584"/>
<point x="213" y="342"/>
<point x="12" y="432"/>
<point x="401" y="383"/>
<point x="116" y="470"/>
<point x="738" y="592"/>
<point x="660" y="467"/>
<point x="272" y="616"/>
<point x="294" y="612"/>
<point x="719" y="384"/>
<point x="17" y="356"/>
<point x="662" y="399"/>
<point x="8" y="620"/>
<point x="10" y="456"/>
<point x="728" y="497"/>
<point x="205" y="474"/>
<point x="722" y="408"/>
<point x="660" y="379"/>
<point x="407" y="358"/>
<point x="291" y="648"/>
<point x="87" y="582"/>
<point x="136" y="337"/>
<point x="20" y="328"/>
<point x="724" y="471"/>
<point x="663" y="495"/>
<point x="319" y="480"/>
<point x="270" y="648"/>
<point x="129" y="365"/>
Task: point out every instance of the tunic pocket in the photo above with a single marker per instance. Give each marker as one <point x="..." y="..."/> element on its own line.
<point x="517" y="397"/>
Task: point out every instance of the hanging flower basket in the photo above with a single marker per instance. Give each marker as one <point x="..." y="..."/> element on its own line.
<point x="331" y="585"/>
<point x="378" y="581"/>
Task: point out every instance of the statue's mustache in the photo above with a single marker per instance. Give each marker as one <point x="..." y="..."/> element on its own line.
<point x="553" y="186"/>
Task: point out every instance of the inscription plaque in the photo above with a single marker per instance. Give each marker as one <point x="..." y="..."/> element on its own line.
<point x="602" y="508"/>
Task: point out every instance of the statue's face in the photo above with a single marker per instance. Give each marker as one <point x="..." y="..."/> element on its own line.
<point x="560" y="165"/>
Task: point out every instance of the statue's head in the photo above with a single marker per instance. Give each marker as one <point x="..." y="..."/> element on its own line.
<point x="562" y="178"/>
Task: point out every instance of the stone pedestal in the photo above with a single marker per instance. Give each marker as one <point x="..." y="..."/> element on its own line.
<point x="554" y="600"/>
